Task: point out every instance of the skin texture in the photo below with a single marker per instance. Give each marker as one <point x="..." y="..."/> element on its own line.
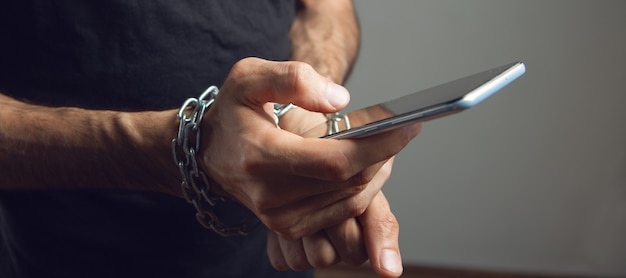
<point x="320" y="199"/>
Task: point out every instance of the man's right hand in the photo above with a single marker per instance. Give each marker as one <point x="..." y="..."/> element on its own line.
<point x="296" y="186"/>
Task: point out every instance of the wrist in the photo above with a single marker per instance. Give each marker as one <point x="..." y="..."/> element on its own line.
<point x="196" y="186"/>
<point x="150" y="135"/>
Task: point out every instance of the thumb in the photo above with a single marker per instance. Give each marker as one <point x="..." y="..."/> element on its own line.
<point x="259" y="81"/>
<point x="381" y="230"/>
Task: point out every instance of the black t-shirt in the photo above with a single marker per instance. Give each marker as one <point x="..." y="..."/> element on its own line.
<point x="127" y="55"/>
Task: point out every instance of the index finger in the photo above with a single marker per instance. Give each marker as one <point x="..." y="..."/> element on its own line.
<point x="381" y="232"/>
<point x="338" y="160"/>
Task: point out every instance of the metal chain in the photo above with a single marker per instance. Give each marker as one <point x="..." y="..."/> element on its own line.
<point x="333" y="122"/>
<point x="280" y="110"/>
<point x="196" y="184"/>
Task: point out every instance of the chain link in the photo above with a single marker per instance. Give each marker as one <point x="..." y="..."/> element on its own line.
<point x="280" y="110"/>
<point x="196" y="184"/>
<point x="333" y="121"/>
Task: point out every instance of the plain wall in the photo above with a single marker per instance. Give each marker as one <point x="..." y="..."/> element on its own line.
<point x="533" y="179"/>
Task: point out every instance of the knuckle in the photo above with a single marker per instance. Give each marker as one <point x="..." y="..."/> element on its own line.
<point x="320" y="261"/>
<point x="297" y="71"/>
<point x="354" y="190"/>
<point x="293" y="232"/>
<point x="246" y="62"/>
<point x="298" y="263"/>
<point x="244" y="67"/>
<point x="240" y="67"/>
<point x="356" y="205"/>
<point x="273" y="224"/>
<point x="362" y="178"/>
<point x="250" y="164"/>
<point x="338" y="167"/>
<point x="298" y="74"/>
<point x="387" y="226"/>
<point x="279" y="264"/>
<point x="320" y="251"/>
<point x="288" y="232"/>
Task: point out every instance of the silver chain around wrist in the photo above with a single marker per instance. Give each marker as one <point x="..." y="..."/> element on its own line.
<point x="196" y="184"/>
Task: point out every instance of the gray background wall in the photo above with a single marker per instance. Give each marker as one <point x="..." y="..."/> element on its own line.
<point x="534" y="179"/>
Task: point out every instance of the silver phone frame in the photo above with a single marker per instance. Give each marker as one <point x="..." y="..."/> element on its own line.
<point x="472" y="98"/>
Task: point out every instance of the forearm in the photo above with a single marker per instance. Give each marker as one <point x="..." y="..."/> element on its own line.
<point x="72" y="148"/>
<point x="325" y="34"/>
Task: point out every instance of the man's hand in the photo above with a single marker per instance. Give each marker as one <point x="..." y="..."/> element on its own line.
<point x="372" y="235"/>
<point x="296" y="186"/>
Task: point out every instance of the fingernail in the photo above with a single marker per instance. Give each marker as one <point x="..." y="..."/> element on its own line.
<point x="390" y="261"/>
<point x="337" y="95"/>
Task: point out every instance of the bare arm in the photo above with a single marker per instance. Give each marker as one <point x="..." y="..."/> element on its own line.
<point x="325" y="34"/>
<point x="72" y="148"/>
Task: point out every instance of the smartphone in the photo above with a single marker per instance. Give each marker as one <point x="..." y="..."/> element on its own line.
<point x="432" y="103"/>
